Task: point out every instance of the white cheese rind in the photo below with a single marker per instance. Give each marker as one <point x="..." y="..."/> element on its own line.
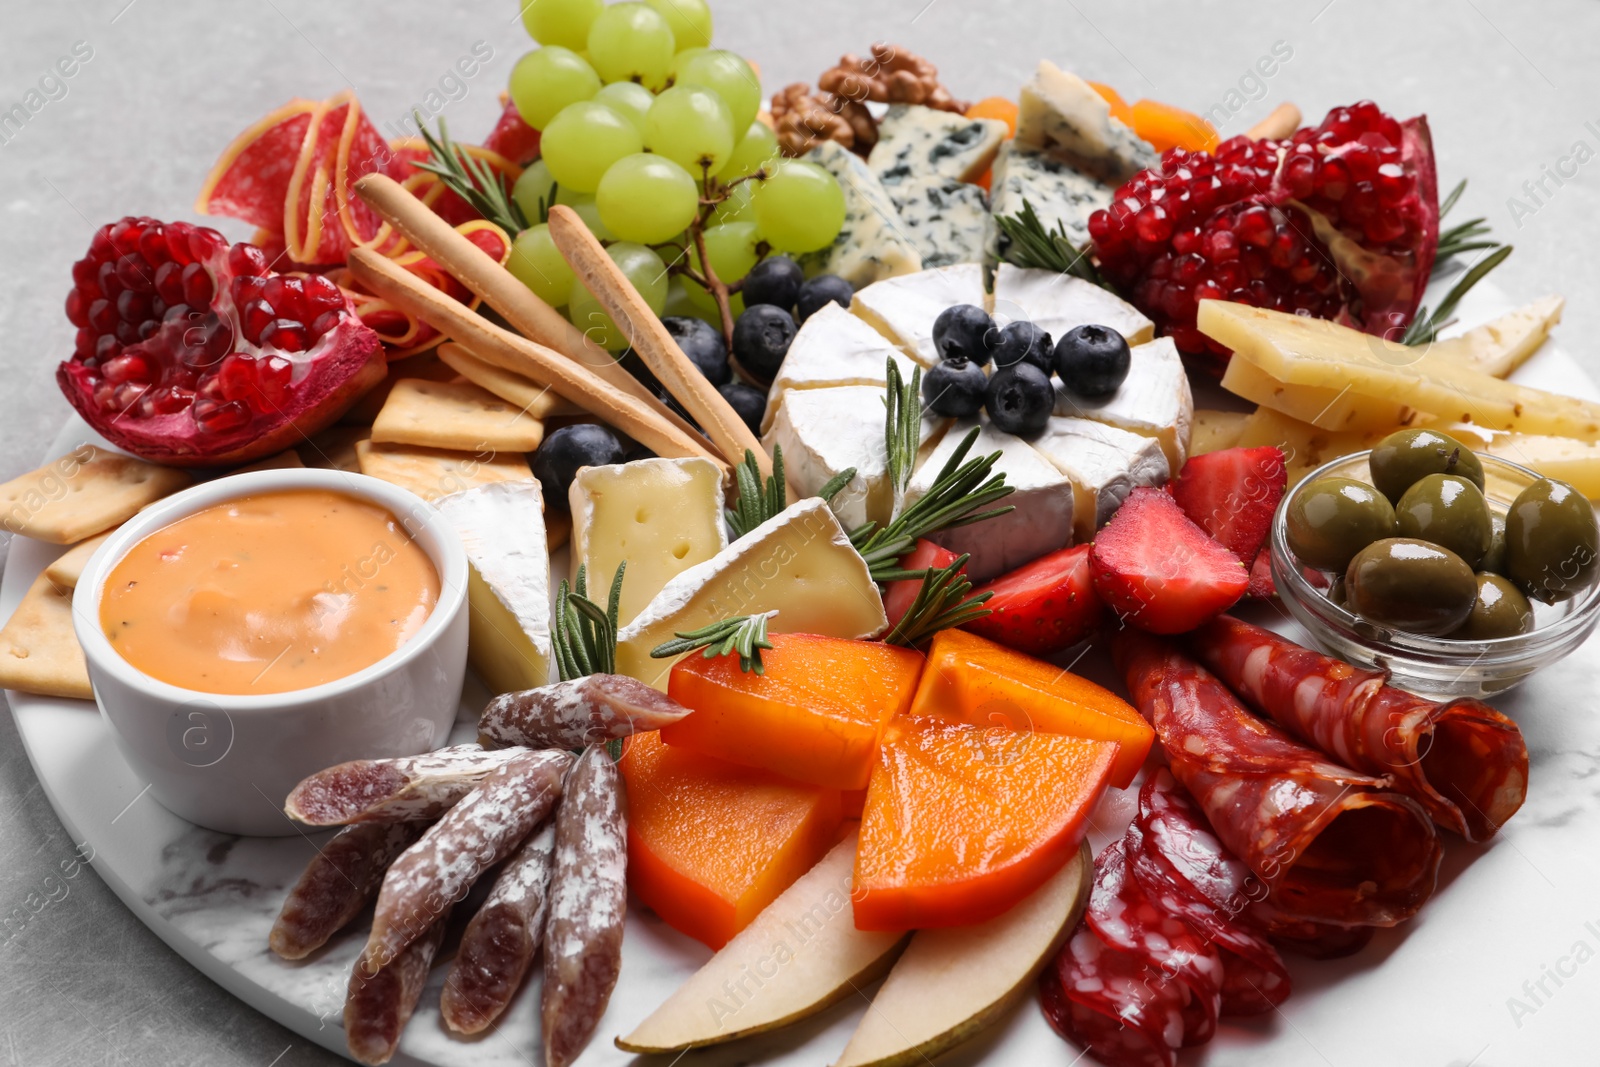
<point x="1059" y="194"/>
<point x="948" y="220"/>
<point x="903" y="309"/>
<point x="872" y="245"/>
<point x="824" y="431"/>
<point x="916" y="141"/>
<point x="1059" y="303"/>
<point x="501" y="525"/>
<point x="1154" y="401"/>
<point x="833" y="348"/>
<point x="1104" y="464"/>
<point x="1061" y="114"/>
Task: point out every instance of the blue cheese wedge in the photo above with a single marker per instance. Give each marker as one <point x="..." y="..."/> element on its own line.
<point x="923" y="142"/>
<point x="1043" y="498"/>
<point x="948" y="220"/>
<point x="903" y="309"/>
<point x="1059" y="303"/>
<point x="834" y="348"/>
<point x="1059" y="194"/>
<point x="1103" y="463"/>
<point x="1154" y="401"/>
<point x="824" y="432"/>
<point x="1061" y="114"/>
<point x="873" y="244"/>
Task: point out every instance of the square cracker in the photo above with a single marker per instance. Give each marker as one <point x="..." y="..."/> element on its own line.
<point x="456" y="415"/>
<point x="67" y="568"/>
<point x="87" y="491"/>
<point x="434" y="472"/>
<point x="39" y="651"/>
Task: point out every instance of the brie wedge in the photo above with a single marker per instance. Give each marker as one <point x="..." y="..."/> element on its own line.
<point x="833" y="348"/>
<point x="903" y="309"/>
<point x="872" y="245"/>
<point x="1058" y="303"/>
<point x="1061" y="114"/>
<point x="1104" y="464"/>
<point x="1154" y="401"/>
<point x="825" y="431"/>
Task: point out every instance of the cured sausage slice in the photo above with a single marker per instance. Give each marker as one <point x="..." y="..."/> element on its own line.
<point x="378" y="1006"/>
<point x="337" y="884"/>
<point x="1105" y="1000"/>
<point x="577" y="713"/>
<point x="403" y="789"/>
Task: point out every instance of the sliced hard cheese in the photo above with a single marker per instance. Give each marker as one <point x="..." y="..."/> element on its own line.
<point x="1043" y="498"/>
<point x="1331" y="409"/>
<point x="1215" y="430"/>
<point x="872" y="245"/>
<point x="1305" y="447"/>
<point x="823" y="432"/>
<point x="1058" y="303"/>
<point x="1061" y="114"/>
<point x="1058" y="194"/>
<point x="660" y="515"/>
<point x="807" y="942"/>
<point x="508" y="587"/>
<point x="1303" y="351"/>
<point x="916" y="141"/>
<point x="798" y="563"/>
<point x="1153" y="401"/>
<point x="903" y="309"/>
<point x="1575" y="462"/>
<point x="833" y="348"/>
<point x="1497" y="348"/>
<point x="1104" y="463"/>
<point x="947" y="220"/>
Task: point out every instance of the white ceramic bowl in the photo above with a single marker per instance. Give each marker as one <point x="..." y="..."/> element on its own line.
<point x="227" y="762"/>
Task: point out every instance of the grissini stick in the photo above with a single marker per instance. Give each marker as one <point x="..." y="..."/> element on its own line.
<point x="537" y="400"/>
<point x="1283" y="121"/>
<point x="596" y="272"/>
<point x="528" y="358"/>
<point x="499" y="288"/>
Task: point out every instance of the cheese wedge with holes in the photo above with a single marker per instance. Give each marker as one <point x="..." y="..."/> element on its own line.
<point x="798" y="563"/>
<point x="1153" y="401"/>
<point x="1104" y="464"/>
<point x="834" y="348"/>
<point x="1059" y="303"/>
<point x="661" y="516"/>
<point x="903" y="309"/>
<point x="824" y="432"/>
<point x="508" y="587"/>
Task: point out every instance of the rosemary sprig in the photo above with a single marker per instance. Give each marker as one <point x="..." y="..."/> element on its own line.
<point x="472" y="180"/>
<point x="757" y="501"/>
<point x="1424" y="329"/>
<point x="744" y="634"/>
<point x="584" y="636"/>
<point x="1465" y="237"/>
<point x="941" y="603"/>
<point x="1034" y="246"/>
<point x="902" y="424"/>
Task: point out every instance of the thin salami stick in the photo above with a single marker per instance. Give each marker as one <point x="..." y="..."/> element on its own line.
<point x="1463" y="761"/>
<point x="479" y="832"/>
<point x="338" y="882"/>
<point x="499" y="943"/>
<point x="404" y="789"/>
<point x="378" y="1006"/>
<point x="577" y="713"/>
<point x="588" y="900"/>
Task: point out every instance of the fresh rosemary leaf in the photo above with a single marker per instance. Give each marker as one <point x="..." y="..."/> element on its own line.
<point x="1450" y="201"/>
<point x="1425" y="327"/>
<point x="902" y="424"/>
<point x="835" y="485"/>
<point x="1036" y="247"/>
<point x="471" y="179"/>
<point x="744" y="634"/>
<point x="757" y="501"/>
<point x="941" y="603"/>
<point x="584" y="636"/>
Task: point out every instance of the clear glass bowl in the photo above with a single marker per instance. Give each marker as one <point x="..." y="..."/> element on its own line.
<point x="1439" y="667"/>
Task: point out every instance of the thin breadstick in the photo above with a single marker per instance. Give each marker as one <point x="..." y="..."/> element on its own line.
<point x="1284" y="120"/>
<point x="539" y="401"/>
<point x="528" y="358"/>
<point x="499" y="288"/>
<point x="650" y="340"/>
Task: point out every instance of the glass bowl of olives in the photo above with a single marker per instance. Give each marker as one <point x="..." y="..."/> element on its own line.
<point x="1460" y="574"/>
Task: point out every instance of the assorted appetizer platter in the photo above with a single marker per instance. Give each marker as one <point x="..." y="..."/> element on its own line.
<point x="702" y="563"/>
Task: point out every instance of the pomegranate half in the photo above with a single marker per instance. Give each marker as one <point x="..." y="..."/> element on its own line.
<point x="194" y="353"/>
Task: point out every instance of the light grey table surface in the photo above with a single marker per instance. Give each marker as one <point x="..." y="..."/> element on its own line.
<point x="1512" y="92"/>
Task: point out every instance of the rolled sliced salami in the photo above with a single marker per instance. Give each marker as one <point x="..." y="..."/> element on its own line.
<point x="577" y="713"/>
<point x="1462" y="760"/>
<point x="1104" y="1000"/>
<point x="340" y="881"/>
<point x="404" y="789"/>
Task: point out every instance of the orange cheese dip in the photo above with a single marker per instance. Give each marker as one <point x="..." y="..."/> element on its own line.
<point x="269" y="593"/>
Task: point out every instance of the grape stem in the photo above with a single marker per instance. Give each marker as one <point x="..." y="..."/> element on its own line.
<point x="715" y="286"/>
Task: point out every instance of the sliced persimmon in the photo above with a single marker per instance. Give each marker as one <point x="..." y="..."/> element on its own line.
<point x="1119" y="107"/>
<point x="814" y="713"/>
<point x="964" y="821"/>
<point x="975" y="680"/>
<point x="1165" y="126"/>
<point x="710" y="844"/>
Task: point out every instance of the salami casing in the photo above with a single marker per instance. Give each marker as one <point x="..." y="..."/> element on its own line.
<point x="577" y="713"/>
<point x="378" y="1006"/>
<point x="404" y="789"/>
<point x="340" y="881"/>
<point x="1104" y="1000"/>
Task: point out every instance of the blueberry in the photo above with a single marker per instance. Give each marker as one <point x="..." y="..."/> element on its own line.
<point x="747" y="401"/>
<point x="1023" y="341"/>
<point x="761" y="339"/>
<point x="965" y="331"/>
<point x="818" y="291"/>
<point x="776" y="280"/>
<point x="1093" y="360"/>
<point x="1020" y="399"/>
<point x="702" y="343"/>
<point x="955" y="388"/>
<point x="583" y="444"/>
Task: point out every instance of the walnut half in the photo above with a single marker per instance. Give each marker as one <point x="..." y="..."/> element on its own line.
<point x="888" y="75"/>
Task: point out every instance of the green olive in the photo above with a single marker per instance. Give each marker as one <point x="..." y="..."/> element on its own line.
<point x="1336" y="591"/>
<point x="1494" y="560"/>
<point x="1449" y="511"/>
<point x="1410" y="585"/>
<point x="1331" y="519"/>
<point x="1551" y="541"/>
<point x="1500" y="610"/>
<point x="1406" y="457"/>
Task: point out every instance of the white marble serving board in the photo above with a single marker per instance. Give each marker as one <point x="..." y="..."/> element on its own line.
<point x="1500" y="968"/>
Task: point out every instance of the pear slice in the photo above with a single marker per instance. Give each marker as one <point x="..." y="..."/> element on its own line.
<point x="801" y="954"/>
<point x="951" y="984"/>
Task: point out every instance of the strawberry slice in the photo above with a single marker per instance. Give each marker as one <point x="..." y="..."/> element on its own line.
<point x="1044" y="606"/>
<point x="1232" y="495"/>
<point x="901" y="594"/>
<point x="1161" y="572"/>
<point x="1262" y="587"/>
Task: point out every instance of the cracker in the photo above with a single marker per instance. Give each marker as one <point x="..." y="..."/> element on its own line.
<point x="334" y="448"/>
<point x="423" y="365"/>
<point x="67" y="568"/>
<point x="39" y="651"/>
<point x="454" y="415"/>
<point x="540" y="402"/>
<point x="284" y="460"/>
<point x="85" y="492"/>
<point x="434" y="472"/>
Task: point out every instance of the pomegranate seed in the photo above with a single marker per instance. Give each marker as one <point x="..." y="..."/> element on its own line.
<point x="244" y="290"/>
<point x="204" y="243"/>
<point x="1255" y="227"/>
<point x="84" y="340"/>
<point x="134" y="273"/>
<point x="102" y="316"/>
<point x="127" y="333"/>
<point x="125" y="236"/>
<point x="1221" y="246"/>
<point x="286" y="295"/>
<point x="287" y="334"/>
<point x="1300" y="176"/>
<point x="147" y="329"/>
<point x="133" y="306"/>
<point x="110" y="284"/>
<point x="128" y="367"/>
<point x="220" y="418"/>
<point x="177" y="236"/>
<point x="103" y="393"/>
<point x="273" y="375"/>
<point x="178" y="313"/>
<point x="198" y="288"/>
<point x="322" y="295"/>
<point x="211" y="388"/>
<point x="1359" y="203"/>
<point x="246" y="259"/>
<point x="257" y="314"/>
<point x="84" y="275"/>
<point x="77" y="308"/>
<point x="170" y="400"/>
<point x="153" y="245"/>
<point x="107" y="347"/>
<point x="127" y="393"/>
<point x="237" y="376"/>
<point x="1383" y="227"/>
<point x="1393" y="184"/>
<point x="1362" y="161"/>
<point x="169" y="282"/>
<point x="325" y="322"/>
